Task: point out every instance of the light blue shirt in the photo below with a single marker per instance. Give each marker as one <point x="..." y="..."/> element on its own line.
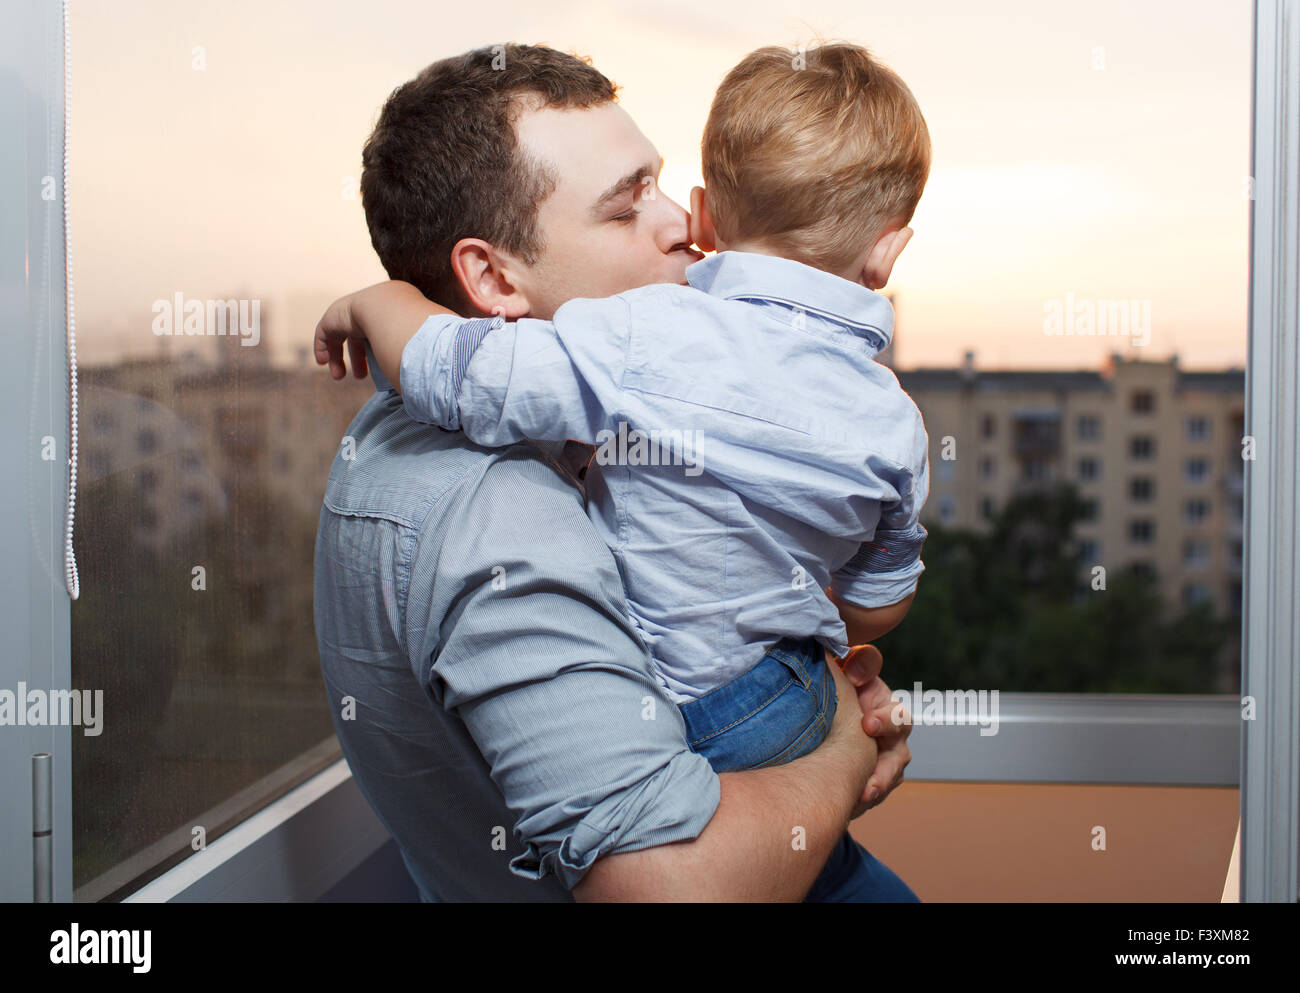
<point x="750" y="450"/>
<point x="495" y="705"/>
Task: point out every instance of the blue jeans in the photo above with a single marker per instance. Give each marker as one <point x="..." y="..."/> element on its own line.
<point x="781" y="709"/>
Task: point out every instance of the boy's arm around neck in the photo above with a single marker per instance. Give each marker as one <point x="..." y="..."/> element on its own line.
<point x="389" y="315"/>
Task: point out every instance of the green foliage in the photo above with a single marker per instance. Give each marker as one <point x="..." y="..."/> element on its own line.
<point x="1006" y="610"/>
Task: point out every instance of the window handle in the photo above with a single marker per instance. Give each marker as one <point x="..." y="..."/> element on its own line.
<point x="42" y="828"/>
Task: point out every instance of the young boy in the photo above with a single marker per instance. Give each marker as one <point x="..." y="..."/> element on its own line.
<point x="758" y="476"/>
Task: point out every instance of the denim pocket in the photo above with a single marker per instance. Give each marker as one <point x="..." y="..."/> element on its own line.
<point x="778" y="710"/>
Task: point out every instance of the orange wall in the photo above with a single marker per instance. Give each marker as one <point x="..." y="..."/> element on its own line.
<point x="995" y="842"/>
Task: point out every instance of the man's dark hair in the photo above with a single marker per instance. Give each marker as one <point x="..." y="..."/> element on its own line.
<point x="443" y="164"/>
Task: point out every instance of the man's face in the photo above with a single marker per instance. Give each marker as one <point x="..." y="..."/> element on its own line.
<point x="607" y="227"/>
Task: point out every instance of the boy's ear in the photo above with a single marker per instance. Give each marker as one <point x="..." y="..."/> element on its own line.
<point x="701" y="226"/>
<point x="880" y="262"/>
<point x="486" y="279"/>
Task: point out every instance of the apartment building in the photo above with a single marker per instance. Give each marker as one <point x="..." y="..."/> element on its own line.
<point x="1155" y="451"/>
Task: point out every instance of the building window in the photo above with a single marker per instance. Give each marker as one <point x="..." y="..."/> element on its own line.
<point x="988" y="426"/>
<point x="1196" y="511"/>
<point x="1196" y="470"/>
<point x="1198" y="428"/>
<point x="1196" y="553"/>
<point x="1142" y="531"/>
<point x="1141" y="488"/>
<point x="1144" y="402"/>
<point x="1036" y="471"/>
<point x="147" y="480"/>
<point x="1088" y="510"/>
<point x="1141" y="446"/>
<point x="1090" y="552"/>
<point x="947" y="510"/>
<point x="987" y="467"/>
<point x="1089" y="469"/>
<point x="1144" y="569"/>
<point x="987" y="509"/>
<point x="1194" y="593"/>
<point x="1088" y="427"/>
<point x="146" y="441"/>
<point x="1037" y="435"/>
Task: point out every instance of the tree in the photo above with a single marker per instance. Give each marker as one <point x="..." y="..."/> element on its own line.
<point x="1005" y="610"/>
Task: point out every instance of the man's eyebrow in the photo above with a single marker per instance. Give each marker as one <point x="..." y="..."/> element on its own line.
<point x="628" y="182"/>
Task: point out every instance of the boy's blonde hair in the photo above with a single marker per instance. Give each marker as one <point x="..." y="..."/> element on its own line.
<point x="813" y="154"/>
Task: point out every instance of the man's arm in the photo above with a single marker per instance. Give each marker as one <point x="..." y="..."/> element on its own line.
<point x="748" y="851"/>
<point x="527" y="640"/>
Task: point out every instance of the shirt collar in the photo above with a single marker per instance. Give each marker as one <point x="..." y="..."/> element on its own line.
<point x="751" y="276"/>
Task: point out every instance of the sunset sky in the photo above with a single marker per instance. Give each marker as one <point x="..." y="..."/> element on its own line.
<point x="1051" y="176"/>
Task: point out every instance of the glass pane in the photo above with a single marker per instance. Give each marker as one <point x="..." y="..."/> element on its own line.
<point x="206" y="438"/>
<point x="1070" y="318"/>
<point x="1054" y="321"/>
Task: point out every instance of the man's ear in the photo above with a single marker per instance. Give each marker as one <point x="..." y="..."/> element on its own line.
<point x="486" y="281"/>
<point x="880" y="262"/>
<point x="701" y="226"/>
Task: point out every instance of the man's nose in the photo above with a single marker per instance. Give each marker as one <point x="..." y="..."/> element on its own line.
<point x="672" y="230"/>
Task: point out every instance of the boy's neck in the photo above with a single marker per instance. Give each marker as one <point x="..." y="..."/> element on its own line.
<point x="758" y="248"/>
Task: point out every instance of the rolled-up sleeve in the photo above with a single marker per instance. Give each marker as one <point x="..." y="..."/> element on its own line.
<point x="433" y="366"/>
<point x="888" y="566"/>
<point x="503" y="382"/>
<point x="885" y="569"/>
<point x="516" y="622"/>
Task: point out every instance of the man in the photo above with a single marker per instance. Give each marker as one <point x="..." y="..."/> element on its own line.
<point x="483" y="672"/>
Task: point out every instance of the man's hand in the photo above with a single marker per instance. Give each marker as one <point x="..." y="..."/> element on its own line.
<point x="846" y="731"/>
<point x="335" y="328"/>
<point x="884" y="719"/>
<point x="890" y="724"/>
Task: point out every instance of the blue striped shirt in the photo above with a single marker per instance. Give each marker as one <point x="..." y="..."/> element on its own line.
<point x="750" y="450"/>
